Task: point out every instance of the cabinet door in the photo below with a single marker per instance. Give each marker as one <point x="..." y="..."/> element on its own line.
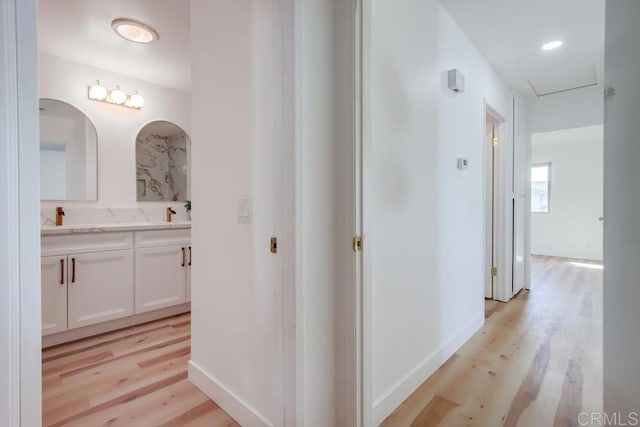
<point x="100" y="287"/>
<point x="160" y="276"/>
<point x="54" y="294"/>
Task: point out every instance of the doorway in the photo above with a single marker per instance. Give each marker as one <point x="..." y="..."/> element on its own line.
<point x="493" y="134"/>
<point x="567" y="193"/>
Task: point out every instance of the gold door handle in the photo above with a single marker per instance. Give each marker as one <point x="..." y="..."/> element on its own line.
<point x="73" y="270"/>
<point x="62" y="271"/>
<point x="601" y="219"/>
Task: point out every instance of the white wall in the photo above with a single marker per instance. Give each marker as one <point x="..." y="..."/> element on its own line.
<point x="621" y="292"/>
<point x="117" y="127"/>
<point x="238" y="306"/>
<point x="425" y="218"/>
<point x="576" y="108"/>
<point x="325" y="212"/>
<point x="571" y="229"/>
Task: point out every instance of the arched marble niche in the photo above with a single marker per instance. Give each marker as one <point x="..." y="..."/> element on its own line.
<point x="162" y="163"/>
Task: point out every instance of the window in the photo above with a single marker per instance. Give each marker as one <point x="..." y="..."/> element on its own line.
<point x="540" y="187"/>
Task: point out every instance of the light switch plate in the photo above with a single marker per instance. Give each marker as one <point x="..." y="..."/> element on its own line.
<point x="244" y="210"/>
<point x="462" y="163"/>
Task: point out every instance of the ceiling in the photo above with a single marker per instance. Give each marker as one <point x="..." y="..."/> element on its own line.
<point x="80" y="30"/>
<point x="510" y="33"/>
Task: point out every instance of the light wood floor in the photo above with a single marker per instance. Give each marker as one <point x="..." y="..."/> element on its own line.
<point x="132" y="377"/>
<point x="536" y="362"/>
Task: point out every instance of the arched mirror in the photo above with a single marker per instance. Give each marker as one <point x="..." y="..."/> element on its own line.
<point x="68" y="153"/>
<point x="162" y="163"/>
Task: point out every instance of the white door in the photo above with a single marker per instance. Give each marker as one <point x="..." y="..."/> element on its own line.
<point x="621" y="289"/>
<point x="100" y="287"/>
<point x="519" y="218"/>
<point x="160" y="277"/>
<point x="490" y="226"/>
<point x="54" y="294"/>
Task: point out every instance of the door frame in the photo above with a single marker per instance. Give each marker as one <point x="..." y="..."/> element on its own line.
<point x="20" y="388"/>
<point x="498" y="232"/>
<point x="362" y="143"/>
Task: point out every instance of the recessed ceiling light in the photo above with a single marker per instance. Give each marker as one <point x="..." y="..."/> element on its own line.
<point x="134" y="31"/>
<point x="552" y="45"/>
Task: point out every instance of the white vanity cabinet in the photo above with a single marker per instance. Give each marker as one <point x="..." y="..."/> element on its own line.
<point x="162" y="264"/>
<point x="100" y="287"/>
<point x="86" y="279"/>
<point x="99" y="279"/>
<point x="54" y="294"/>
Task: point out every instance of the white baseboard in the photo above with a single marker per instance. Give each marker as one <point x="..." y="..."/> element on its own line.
<point x="384" y="405"/>
<point x="232" y="404"/>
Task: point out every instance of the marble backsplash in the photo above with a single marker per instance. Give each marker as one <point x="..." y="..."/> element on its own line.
<point x="78" y="216"/>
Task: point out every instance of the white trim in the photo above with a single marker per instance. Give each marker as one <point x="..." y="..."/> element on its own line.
<point x="9" y="239"/>
<point x="361" y="379"/>
<point x="527" y="220"/>
<point x="396" y="394"/>
<point x="285" y="225"/>
<point x="298" y="218"/>
<point x="503" y="231"/>
<point x="237" y="408"/>
<point x="29" y="220"/>
<point x="365" y="297"/>
<point x="20" y="382"/>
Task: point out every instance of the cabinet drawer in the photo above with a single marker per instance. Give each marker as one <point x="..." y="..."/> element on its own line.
<point x="152" y="238"/>
<point x="84" y="243"/>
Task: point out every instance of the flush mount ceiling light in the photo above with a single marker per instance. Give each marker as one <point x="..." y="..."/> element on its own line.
<point x="134" y="31"/>
<point x="552" y="45"/>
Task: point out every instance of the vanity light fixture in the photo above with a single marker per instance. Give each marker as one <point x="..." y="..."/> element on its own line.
<point x="136" y="100"/>
<point x="116" y="96"/>
<point x="97" y="92"/>
<point x="134" y="31"/>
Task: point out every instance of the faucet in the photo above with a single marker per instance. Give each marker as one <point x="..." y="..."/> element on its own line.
<point x="170" y="212"/>
<point x="59" y="215"/>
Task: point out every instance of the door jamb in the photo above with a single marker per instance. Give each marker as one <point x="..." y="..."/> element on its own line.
<point x="19" y="113"/>
<point x="499" y="284"/>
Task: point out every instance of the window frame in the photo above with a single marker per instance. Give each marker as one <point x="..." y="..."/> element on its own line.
<point x="548" y="165"/>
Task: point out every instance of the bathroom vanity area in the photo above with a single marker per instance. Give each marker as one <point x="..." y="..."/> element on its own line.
<point x="115" y="216"/>
<point x="101" y="277"/>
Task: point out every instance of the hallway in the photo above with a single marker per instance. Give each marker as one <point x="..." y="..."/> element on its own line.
<point x="537" y="361"/>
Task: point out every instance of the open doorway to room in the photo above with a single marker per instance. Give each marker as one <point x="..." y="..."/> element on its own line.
<point x="115" y="215"/>
<point x="567" y="195"/>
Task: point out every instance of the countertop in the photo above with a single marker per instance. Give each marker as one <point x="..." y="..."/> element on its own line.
<point x="47" y="230"/>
